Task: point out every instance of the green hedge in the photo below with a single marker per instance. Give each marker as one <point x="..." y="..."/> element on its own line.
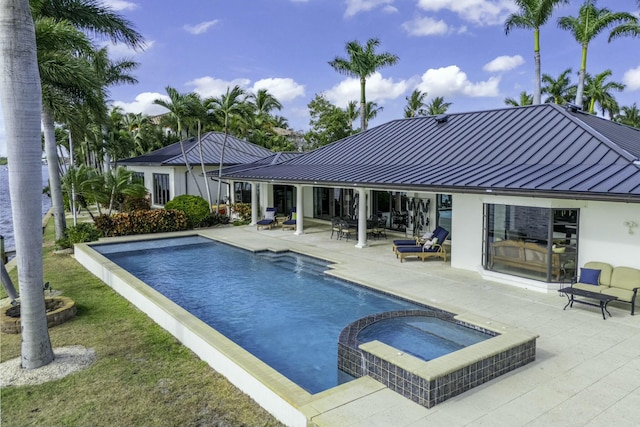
<point x="142" y="222"/>
<point x="195" y="208"/>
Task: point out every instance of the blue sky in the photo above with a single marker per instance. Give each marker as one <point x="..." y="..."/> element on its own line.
<point x="451" y="48"/>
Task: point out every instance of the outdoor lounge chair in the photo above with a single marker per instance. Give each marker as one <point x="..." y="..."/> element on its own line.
<point x="416" y="241"/>
<point x="421" y="251"/>
<point x="291" y="220"/>
<point x="269" y="219"/>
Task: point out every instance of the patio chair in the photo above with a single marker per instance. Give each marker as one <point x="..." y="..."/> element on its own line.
<point x="416" y="241"/>
<point x="431" y="248"/>
<point x="291" y="220"/>
<point x="269" y="219"/>
<point x="346" y="230"/>
<point x="335" y="227"/>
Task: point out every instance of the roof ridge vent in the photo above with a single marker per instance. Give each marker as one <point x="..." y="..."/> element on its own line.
<point x="441" y="118"/>
<point x="573" y="108"/>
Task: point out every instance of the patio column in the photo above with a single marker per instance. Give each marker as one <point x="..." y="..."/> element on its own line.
<point x="254" y="203"/>
<point x="362" y="218"/>
<point x="299" y="211"/>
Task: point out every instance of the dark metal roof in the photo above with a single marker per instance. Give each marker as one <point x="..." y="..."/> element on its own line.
<point x="541" y="150"/>
<point x="273" y="159"/>
<point x="236" y="152"/>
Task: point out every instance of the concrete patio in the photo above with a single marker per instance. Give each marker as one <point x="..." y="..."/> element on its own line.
<point x="586" y="373"/>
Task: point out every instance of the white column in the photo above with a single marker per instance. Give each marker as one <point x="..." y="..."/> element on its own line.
<point x="362" y="218"/>
<point x="299" y="211"/>
<point x="254" y="203"/>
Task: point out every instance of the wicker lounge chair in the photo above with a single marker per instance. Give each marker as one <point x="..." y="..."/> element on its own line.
<point x="416" y="241"/>
<point x="422" y="251"/>
<point x="269" y="219"/>
<point x="291" y="220"/>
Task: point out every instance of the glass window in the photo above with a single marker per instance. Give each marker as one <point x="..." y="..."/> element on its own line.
<point x="532" y="242"/>
<point x="242" y="192"/>
<point x="137" y="178"/>
<point x="444" y="204"/>
<point x="160" y="188"/>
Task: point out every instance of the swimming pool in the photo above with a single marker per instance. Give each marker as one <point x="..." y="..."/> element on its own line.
<point x="279" y="307"/>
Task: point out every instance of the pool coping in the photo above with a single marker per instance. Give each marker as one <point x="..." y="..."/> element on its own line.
<point x="287" y="401"/>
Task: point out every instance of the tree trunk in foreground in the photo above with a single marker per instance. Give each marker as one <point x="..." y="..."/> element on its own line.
<point x="20" y="94"/>
<point x="55" y="187"/>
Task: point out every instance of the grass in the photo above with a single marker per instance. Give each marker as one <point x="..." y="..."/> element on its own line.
<point x="142" y="376"/>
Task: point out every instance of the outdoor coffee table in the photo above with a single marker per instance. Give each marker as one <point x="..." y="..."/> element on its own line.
<point x="603" y="300"/>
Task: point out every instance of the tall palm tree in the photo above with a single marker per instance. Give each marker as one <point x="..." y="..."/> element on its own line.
<point x="179" y="106"/>
<point x="415" y="104"/>
<point x="363" y="62"/>
<point x="228" y="107"/>
<point x="525" y="99"/>
<point x="438" y="106"/>
<point x="264" y="102"/>
<point x="629" y="116"/>
<point x="598" y="90"/>
<point x="532" y="15"/>
<point x="590" y="22"/>
<point x="560" y="90"/>
<point x="352" y="112"/>
<point x="371" y="111"/>
<point x="20" y="95"/>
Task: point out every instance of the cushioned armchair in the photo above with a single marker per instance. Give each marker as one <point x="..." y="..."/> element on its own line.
<point x="431" y="248"/>
<point x="291" y="220"/>
<point x="269" y="219"/>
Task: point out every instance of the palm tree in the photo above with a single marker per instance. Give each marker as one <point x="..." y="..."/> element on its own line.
<point x="415" y="104"/>
<point x="597" y="90"/>
<point x="20" y="95"/>
<point x="352" y="112"/>
<point x="264" y="102"/>
<point x="371" y="112"/>
<point x="532" y="15"/>
<point x="525" y="99"/>
<point x="363" y="62"/>
<point x="179" y="106"/>
<point x="438" y="106"/>
<point x="590" y="22"/>
<point x="560" y="90"/>
<point x="629" y="116"/>
<point x="228" y="107"/>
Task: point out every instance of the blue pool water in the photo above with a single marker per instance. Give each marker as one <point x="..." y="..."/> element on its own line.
<point x="279" y="307"/>
<point x="423" y="337"/>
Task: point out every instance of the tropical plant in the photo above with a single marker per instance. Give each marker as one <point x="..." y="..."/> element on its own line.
<point x="180" y="108"/>
<point x="629" y="116"/>
<point x="590" y="22"/>
<point x="533" y="14"/>
<point x="194" y="207"/>
<point x="21" y="99"/>
<point x="228" y="107"/>
<point x="438" y="106"/>
<point x="328" y="123"/>
<point x="525" y="99"/>
<point x="415" y="104"/>
<point x="597" y="90"/>
<point x="560" y="90"/>
<point x="372" y="110"/>
<point x="363" y="62"/>
<point x="352" y="111"/>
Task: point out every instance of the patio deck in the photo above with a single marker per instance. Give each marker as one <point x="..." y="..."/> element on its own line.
<point x="586" y="373"/>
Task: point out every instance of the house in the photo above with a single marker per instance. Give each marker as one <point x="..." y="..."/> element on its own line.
<point x="165" y="174"/>
<point x="528" y="194"/>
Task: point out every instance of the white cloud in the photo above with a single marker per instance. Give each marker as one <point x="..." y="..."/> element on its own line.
<point x="425" y="26"/>
<point x="200" y="28"/>
<point x="378" y="90"/>
<point x="283" y="90"/>
<point x="121" y="50"/>
<point x="356" y="6"/>
<point x="451" y="81"/>
<point x="120" y="4"/>
<point x="390" y="9"/>
<point x="479" y="12"/>
<point x="631" y="78"/>
<point x="209" y="86"/>
<point x="143" y="103"/>
<point x="503" y="63"/>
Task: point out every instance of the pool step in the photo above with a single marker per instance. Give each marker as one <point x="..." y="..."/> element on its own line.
<point x="296" y="262"/>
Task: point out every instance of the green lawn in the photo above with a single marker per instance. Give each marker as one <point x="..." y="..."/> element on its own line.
<point x="142" y="376"/>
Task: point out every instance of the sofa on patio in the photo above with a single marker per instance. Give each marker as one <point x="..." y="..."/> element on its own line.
<point x="525" y="255"/>
<point x="620" y="282"/>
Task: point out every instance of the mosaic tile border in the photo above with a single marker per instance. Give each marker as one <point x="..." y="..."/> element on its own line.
<point x="430" y="386"/>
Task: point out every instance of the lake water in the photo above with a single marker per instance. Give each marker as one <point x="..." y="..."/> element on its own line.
<point x="6" y="220"/>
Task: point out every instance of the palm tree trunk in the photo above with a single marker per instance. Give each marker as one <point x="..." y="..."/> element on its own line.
<point x="204" y="172"/>
<point x="20" y="94"/>
<point x="55" y="187"/>
<point x="581" y="75"/>
<point x="186" y="162"/>
<point x="363" y="105"/>
<point x="537" y="92"/>
<point x="224" y="145"/>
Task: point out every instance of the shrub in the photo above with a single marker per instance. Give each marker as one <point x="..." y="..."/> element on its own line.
<point x="142" y="222"/>
<point x="214" y="219"/>
<point x="195" y="208"/>
<point x="243" y="210"/>
<point x="80" y="233"/>
<point x="133" y="203"/>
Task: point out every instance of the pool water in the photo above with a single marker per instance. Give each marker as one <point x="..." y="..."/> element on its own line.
<point x="420" y="336"/>
<point x="281" y="308"/>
